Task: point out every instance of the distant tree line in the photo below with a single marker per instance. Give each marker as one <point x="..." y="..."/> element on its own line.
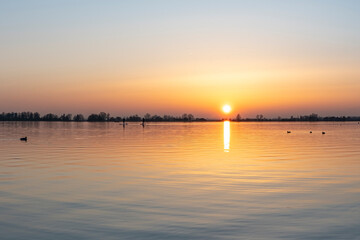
<point x="101" y="117"/>
<point x="105" y="117"/>
<point x="306" y="118"/>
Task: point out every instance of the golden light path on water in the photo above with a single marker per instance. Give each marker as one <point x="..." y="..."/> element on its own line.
<point x="226" y="136"/>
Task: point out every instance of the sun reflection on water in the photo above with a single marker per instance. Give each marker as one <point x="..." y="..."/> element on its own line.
<point x="226" y="136"/>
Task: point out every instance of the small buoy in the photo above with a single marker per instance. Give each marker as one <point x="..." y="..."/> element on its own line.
<point x="323" y="132"/>
<point x="288" y="131"/>
<point x="310" y="131"/>
<point x="23" y="139"/>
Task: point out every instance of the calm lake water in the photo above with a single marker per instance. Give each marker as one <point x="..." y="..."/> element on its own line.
<point x="179" y="181"/>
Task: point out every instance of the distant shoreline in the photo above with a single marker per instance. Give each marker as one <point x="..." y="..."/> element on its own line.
<point x="195" y="121"/>
<point x="105" y="117"/>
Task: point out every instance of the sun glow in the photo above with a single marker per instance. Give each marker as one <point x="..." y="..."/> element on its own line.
<point x="226" y="136"/>
<point x="226" y="109"/>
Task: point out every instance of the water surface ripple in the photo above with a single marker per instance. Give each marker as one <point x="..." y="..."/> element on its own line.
<point x="179" y="181"/>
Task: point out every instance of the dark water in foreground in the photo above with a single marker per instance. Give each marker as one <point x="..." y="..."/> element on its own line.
<point x="179" y="181"/>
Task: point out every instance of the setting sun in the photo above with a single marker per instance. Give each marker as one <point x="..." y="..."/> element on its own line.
<point x="226" y="109"/>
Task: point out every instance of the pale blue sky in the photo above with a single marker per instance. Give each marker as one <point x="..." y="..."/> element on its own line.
<point x="48" y="46"/>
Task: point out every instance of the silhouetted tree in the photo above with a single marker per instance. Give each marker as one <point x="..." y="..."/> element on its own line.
<point x="93" y="118"/>
<point x="66" y="117"/>
<point x="50" y="117"/>
<point x="190" y="117"/>
<point x="134" y="118"/>
<point x="101" y="117"/>
<point x="168" y="118"/>
<point x="259" y="117"/>
<point x="37" y="116"/>
<point x="313" y="117"/>
<point x="184" y="117"/>
<point x="147" y="116"/>
<point x="156" y="118"/>
<point x="79" y="118"/>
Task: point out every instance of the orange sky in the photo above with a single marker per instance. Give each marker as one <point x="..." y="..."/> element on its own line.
<point x="170" y="58"/>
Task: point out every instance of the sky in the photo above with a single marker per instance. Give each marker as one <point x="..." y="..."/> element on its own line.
<point x="270" y="57"/>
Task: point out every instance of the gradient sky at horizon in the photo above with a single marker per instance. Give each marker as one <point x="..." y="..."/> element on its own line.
<point x="170" y="57"/>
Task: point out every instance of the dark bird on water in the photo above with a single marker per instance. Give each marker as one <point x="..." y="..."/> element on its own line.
<point x="310" y="131"/>
<point x="23" y="139"/>
<point x="288" y="131"/>
<point x="323" y="132"/>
